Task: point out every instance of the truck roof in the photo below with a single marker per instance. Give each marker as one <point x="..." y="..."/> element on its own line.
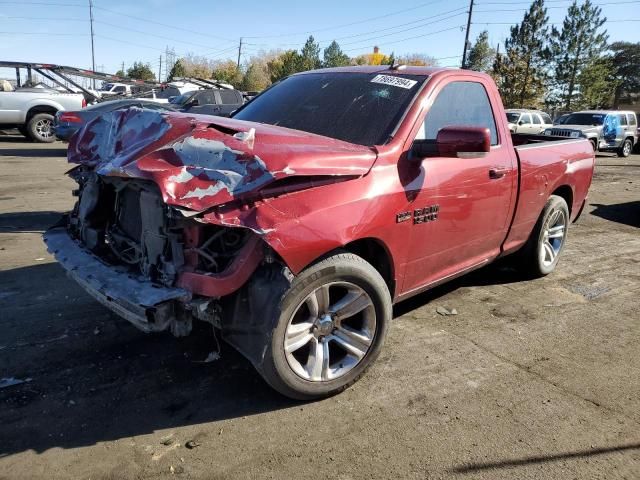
<point x="403" y="70"/>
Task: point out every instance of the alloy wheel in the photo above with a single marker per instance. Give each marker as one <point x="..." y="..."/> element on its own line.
<point x="553" y="237"/>
<point x="43" y="128"/>
<point x="330" y="332"/>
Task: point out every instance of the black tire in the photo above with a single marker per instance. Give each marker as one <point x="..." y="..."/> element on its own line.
<point x="594" y="144"/>
<point x="625" y="149"/>
<point x="348" y="269"/>
<point x="534" y="258"/>
<point x="39" y="128"/>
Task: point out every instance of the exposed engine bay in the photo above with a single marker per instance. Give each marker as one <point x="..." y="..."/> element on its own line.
<point x="125" y="222"/>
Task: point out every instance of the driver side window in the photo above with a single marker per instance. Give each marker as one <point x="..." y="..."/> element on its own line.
<point x="459" y="104"/>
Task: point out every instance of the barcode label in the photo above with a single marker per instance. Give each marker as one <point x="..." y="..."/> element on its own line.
<point x="394" y="81"/>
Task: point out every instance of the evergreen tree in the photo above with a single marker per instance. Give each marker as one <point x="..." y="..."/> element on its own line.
<point x="334" y="57"/>
<point x="283" y="65"/>
<point x="597" y="84"/>
<point x="578" y="44"/>
<point x="521" y="72"/>
<point x="625" y="60"/>
<point x="140" y="71"/>
<point x="310" y="55"/>
<point x="177" y="71"/>
<point x="481" y="55"/>
<point x="120" y="73"/>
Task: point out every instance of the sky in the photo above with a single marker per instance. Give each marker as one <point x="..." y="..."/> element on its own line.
<point x="58" y="31"/>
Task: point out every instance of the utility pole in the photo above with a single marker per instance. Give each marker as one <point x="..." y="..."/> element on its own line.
<point x="93" y="55"/>
<point x="466" y="36"/>
<point x="160" y="70"/>
<point x="239" y="52"/>
<point x="123" y="72"/>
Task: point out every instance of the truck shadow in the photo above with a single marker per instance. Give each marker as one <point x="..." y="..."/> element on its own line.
<point x="95" y="378"/>
<point x="17" y="222"/>
<point x="498" y="273"/>
<point x="626" y="213"/>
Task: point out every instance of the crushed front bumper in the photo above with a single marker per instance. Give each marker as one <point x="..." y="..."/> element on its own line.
<point x="147" y="306"/>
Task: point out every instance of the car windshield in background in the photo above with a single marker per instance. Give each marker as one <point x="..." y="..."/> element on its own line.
<point x="182" y="99"/>
<point x="584" y="119"/>
<point x="360" y="108"/>
<point x="512" y="117"/>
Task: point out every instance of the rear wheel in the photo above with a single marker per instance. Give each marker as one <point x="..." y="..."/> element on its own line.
<point x="39" y="128"/>
<point x="594" y="144"/>
<point x="626" y="148"/>
<point x="331" y="327"/>
<point x="541" y="253"/>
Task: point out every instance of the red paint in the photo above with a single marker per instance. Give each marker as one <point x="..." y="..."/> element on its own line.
<point x="69" y="117"/>
<point x="453" y="140"/>
<point x="487" y="205"/>
<point x="230" y="280"/>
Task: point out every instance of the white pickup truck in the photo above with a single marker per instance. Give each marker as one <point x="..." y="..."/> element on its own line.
<point x="31" y="110"/>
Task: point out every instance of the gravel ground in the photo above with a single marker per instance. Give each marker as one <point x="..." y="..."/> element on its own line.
<point x="532" y="379"/>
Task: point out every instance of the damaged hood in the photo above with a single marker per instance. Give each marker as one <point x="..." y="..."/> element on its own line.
<point x="201" y="161"/>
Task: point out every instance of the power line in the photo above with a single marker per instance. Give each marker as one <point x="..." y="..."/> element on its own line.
<point x="336" y="27"/>
<point x="523" y="9"/>
<point x="151" y="34"/>
<point x="166" y="25"/>
<point x="49" y="4"/>
<point x="411" y="38"/>
<point x="54" y="19"/>
<point x="375" y="38"/>
<point x="554" y="23"/>
<point x="459" y="9"/>
<point x="46" y="33"/>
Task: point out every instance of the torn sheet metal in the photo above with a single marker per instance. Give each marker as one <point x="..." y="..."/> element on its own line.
<point x="201" y="161"/>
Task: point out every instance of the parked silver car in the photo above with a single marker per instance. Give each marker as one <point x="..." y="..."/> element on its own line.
<point x="608" y="130"/>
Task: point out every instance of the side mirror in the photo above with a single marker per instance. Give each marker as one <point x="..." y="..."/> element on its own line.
<point x="463" y="142"/>
<point x="521" y="122"/>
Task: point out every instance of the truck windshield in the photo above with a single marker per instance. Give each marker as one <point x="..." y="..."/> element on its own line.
<point x="360" y="108"/>
<point x="512" y="117"/>
<point x="584" y="119"/>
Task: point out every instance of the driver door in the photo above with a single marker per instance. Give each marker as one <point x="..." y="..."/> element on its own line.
<point x="472" y="198"/>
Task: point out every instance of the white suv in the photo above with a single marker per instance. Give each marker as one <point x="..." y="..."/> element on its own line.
<point x="528" y="121"/>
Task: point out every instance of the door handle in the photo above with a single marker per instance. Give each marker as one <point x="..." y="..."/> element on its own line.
<point x="497" y="172"/>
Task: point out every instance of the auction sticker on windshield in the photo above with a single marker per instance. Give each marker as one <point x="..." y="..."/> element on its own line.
<point x="395" y="81"/>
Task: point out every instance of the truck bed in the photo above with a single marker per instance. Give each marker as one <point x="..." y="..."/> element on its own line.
<point x="548" y="164"/>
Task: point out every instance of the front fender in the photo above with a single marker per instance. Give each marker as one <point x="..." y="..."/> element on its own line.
<point x="303" y="226"/>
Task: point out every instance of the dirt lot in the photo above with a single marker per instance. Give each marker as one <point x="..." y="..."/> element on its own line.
<point x="535" y="379"/>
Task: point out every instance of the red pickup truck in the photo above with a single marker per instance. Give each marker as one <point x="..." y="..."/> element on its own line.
<point x="293" y="226"/>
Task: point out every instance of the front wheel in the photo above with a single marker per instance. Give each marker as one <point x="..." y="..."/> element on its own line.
<point x="332" y="324"/>
<point x="541" y="253"/>
<point x="39" y="128"/>
<point x="625" y="148"/>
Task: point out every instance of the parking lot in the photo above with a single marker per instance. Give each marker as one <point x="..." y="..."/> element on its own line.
<point x="531" y="379"/>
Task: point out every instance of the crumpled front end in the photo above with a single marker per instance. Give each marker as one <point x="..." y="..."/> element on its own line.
<point x="153" y="237"/>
